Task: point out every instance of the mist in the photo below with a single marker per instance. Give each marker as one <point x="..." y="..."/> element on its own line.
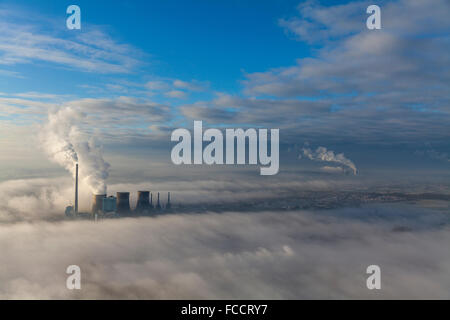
<point x="270" y="255"/>
<point x="303" y="254"/>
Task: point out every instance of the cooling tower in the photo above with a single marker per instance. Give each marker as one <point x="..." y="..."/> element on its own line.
<point x="97" y="202"/>
<point x="123" y="202"/>
<point x="143" y="201"/>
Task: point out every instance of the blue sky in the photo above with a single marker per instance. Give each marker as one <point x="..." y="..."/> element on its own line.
<point x="137" y="70"/>
<point x="210" y="41"/>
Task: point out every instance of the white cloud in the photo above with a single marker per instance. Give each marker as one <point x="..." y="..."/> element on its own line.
<point x="176" y="94"/>
<point x="375" y="86"/>
<point x="23" y="41"/>
<point x="9" y="73"/>
<point x="270" y="255"/>
<point x="156" y="85"/>
<point x="190" y="86"/>
<point x="316" y="23"/>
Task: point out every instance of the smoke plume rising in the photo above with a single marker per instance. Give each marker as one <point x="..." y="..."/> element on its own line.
<point x="66" y="145"/>
<point x="322" y="154"/>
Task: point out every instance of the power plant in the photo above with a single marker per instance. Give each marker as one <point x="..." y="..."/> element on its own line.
<point x="143" y="201"/>
<point x="123" y="202"/>
<point x="97" y="202"/>
<point x="106" y="206"/>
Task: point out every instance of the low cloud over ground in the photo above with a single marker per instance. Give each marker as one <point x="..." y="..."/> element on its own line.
<point x="271" y="254"/>
<point x="232" y="255"/>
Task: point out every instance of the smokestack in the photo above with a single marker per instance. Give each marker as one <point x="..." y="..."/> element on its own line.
<point x="151" y="200"/>
<point x="76" y="188"/>
<point x="158" y="205"/>
<point x="168" y="201"/>
<point x="123" y="202"/>
<point x="97" y="202"/>
<point x="143" y="201"/>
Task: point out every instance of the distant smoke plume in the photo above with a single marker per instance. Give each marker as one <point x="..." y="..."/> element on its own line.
<point x="322" y="154"/>
<point x="63" y="141"/>
<point x="433" y="154"/>
<point x="329" y="169"/>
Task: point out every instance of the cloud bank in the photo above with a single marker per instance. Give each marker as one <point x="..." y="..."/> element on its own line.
<point x="271" y="255"/>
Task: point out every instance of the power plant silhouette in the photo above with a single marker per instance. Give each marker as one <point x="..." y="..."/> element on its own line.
<point x="104" y="205"/>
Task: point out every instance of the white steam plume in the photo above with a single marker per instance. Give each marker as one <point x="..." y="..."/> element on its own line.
<point x="64" y="143"/>
<point x="322" y="154"/>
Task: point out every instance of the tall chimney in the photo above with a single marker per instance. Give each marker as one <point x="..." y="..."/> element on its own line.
<point x="143" y="201"/>
<point x="158" y="205"/>
<point x="97" y="202"/>
<point x="151" y="200"/>
<point x="76" y="188"/>
<point x="123" y="202"/>
<point x="168" y="201"/>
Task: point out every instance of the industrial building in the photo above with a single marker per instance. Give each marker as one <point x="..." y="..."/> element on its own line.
<point x="119" y="205"/>
<point x="109" y="204"/>
<point x="143" y="201"/>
